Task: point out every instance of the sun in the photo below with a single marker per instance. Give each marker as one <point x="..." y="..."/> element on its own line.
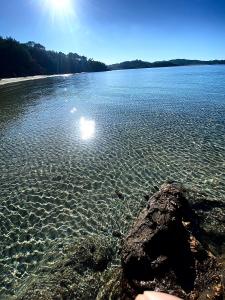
<point x="59" y="8"/>
<point x="60" y="5"/>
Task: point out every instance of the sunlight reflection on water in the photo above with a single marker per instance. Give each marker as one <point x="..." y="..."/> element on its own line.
<point x="67" y="145"/>
<point x="87" y="128"/>
<point x="73" y="110"/>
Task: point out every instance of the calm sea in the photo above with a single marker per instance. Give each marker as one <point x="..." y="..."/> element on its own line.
<point x="70" y="145"/>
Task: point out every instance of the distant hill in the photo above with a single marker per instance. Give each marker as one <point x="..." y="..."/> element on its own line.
<point x="17" y="59"/>
<point x="138" y="64"/>
<point x="27" y="59"/>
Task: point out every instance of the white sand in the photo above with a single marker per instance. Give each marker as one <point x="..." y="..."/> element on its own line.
<point x="18" y="79"/>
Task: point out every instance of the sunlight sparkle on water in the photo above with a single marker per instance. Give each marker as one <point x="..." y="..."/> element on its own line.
<point x="73" y="110"/>
<point x="87" y="128"/>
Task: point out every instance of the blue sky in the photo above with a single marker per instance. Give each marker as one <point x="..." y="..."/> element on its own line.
<point x="117" y="30"/>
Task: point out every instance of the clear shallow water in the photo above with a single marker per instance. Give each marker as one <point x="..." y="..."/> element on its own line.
<point x="68" y="144"/>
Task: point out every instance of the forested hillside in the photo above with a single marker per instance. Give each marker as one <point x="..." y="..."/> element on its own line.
<point x="17" y="59"/>
<point x="138" y="64"/>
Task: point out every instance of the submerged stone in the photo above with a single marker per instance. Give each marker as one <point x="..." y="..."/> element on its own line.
<point x="73" y="273"/>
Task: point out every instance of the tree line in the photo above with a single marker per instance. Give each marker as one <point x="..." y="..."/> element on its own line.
<point x="138" y="64"/>
<point x="28" y="59"/>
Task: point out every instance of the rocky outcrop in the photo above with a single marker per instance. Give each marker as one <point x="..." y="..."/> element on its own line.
<point x="162" y="251"/>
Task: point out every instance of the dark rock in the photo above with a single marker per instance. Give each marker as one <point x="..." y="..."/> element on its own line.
<point x="207" y="205"/>
<point x="117" y="233"/>
<point x="119" y="194"/>
<point x="146" y="197"/>
<point x="57" y="178"/>
<point x="162" y="251"/>
<point x="211" y="216"/>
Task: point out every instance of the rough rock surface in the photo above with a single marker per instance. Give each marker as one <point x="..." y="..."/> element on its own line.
<point x="162" y="251"/>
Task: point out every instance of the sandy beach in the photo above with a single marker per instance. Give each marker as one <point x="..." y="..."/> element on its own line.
<point x="19" y="79"/>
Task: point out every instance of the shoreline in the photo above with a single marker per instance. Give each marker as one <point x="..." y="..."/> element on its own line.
<point x="4" y="81"/>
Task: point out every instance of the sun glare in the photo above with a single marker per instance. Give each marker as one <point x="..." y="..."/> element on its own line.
<point x="60" y="5"/>
<point x="59" y="8"/>
<point x="87" y="128"/>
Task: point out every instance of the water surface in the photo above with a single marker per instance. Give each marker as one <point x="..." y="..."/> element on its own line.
<point x="69" y="145"/>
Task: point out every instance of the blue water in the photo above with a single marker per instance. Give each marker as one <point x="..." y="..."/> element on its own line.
<point x="69" y="144"/>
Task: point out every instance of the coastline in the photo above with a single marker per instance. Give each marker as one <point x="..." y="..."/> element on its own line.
<point x="4" y="81"/>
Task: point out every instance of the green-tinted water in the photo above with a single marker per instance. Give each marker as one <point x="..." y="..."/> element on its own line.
<point x="68" y="144"/>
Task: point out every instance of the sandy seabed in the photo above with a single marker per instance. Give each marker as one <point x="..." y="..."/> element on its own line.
<point x="18" y="79"/>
